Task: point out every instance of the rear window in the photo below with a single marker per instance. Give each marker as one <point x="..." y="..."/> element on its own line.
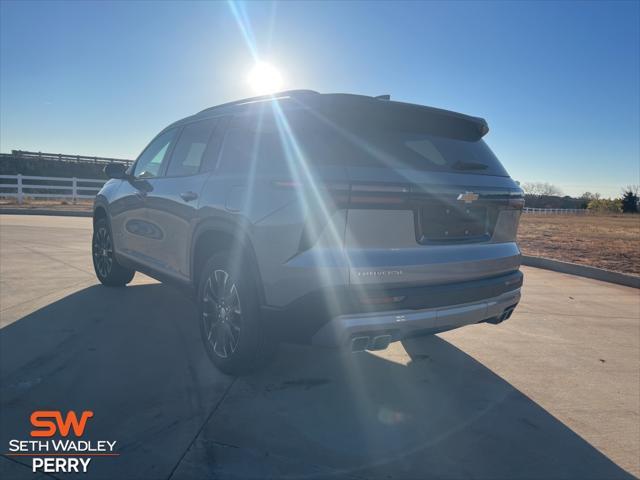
<point x="407" y="149"/>
<point x="267" y="142"/>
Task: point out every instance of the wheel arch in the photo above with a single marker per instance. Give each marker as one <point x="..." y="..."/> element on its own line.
<point x="214" y="235"/>
<point x="100" y="210"/>
<point x="98" y="213"/>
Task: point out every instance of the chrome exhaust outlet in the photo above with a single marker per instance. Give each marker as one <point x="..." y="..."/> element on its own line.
<point x="380" y="342"/>
<point x="505" y="315"/>
<point x="359" y="344"/>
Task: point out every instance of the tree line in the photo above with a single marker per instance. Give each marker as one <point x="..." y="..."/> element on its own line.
<point x="547" y="195"/>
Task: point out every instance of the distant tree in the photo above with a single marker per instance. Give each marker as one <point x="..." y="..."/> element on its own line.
<point x="541" y="189"/>
<point x="586" y="197"/>
<point x="630" y="199"/>
<point x="605" y="205"/>
<point x="590" y="196"/>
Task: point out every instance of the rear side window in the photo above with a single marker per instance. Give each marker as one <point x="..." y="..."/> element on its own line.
<point x="149" y="163"/>
<point x="252" y="144"/>
<point x="265" y="142"/>
<point x="191" y="148"/>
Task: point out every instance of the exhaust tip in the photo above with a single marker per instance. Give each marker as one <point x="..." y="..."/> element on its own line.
<point x="359" y="344"/>
<point x="505" y="315"/>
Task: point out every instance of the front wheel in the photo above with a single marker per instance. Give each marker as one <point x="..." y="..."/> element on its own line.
<point x="229" y="314"/>
<point x="107" y="268"/>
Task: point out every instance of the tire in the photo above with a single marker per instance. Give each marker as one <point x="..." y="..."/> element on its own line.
<point x="107" y="268"/>
<point x="234" y="338"/>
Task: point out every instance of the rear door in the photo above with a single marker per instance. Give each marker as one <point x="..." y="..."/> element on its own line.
<point x="172" y="203"/>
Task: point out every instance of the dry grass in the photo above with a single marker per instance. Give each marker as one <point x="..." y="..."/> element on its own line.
<point x="605" y="241"/>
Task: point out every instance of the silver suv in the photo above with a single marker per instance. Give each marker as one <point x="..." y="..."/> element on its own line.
<point x="336" y="219"/>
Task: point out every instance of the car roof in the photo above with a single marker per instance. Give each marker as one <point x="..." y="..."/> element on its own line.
<point x="307" y="97"/>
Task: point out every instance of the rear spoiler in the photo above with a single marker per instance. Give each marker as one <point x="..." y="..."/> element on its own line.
<point x="360" y="109"/>
<point x="481" y="123"/>
<point x="479" y="126"/>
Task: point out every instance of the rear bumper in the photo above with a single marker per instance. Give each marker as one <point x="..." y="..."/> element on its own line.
<point x="399" y="324"/>
<point x="325" y="316"/>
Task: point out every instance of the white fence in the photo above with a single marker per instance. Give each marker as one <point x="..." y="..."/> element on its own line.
<point x="557" y="211"/>
<point x="25" y="186"/>
<point x="62" y="157"/>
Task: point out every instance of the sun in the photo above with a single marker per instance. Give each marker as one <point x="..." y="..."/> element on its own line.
<point x="264" y="79"/>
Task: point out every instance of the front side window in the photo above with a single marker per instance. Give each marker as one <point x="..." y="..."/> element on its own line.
<point x="191" y="148"/>
<point x="149" y="163"/>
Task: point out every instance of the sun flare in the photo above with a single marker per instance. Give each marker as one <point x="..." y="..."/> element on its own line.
<point x="264" y="79"/>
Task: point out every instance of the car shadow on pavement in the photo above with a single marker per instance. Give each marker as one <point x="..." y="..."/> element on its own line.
<point x="134" y="357"/>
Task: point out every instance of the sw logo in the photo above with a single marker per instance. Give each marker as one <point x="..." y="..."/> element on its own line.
<point x="61" y="454"/>
<point x="39" y="420"/>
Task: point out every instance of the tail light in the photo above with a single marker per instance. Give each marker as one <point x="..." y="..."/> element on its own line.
<point x="357" y="195"/>
<point x="338" y="192"/>
<point x="516" y="199"/>
<point x="379" y="195"/>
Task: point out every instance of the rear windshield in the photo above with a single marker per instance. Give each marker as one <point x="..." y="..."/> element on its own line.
<point x="268" y="141"/>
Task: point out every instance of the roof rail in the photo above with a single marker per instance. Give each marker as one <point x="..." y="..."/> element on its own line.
<point x="261" y="97"/>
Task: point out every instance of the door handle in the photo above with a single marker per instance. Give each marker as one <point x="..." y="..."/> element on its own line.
<point x="188" y="196"/>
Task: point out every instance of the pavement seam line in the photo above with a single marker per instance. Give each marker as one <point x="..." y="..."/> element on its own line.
<point x="27" y="466"/>
<point x="571" y="315"/>
<point x="33" y="250"/>
<point x="204" y="424"/>
<point x="45" y="295"/>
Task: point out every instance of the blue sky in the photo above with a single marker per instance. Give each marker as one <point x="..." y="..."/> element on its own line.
<point x="559" y="83"/>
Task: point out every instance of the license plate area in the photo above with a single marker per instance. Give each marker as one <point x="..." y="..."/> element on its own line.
<point x="440" y="222"/>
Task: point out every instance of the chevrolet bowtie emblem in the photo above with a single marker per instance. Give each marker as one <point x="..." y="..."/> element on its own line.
<point x="468" y="197"/>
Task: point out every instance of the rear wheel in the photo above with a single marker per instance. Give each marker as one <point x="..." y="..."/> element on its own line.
<point x="107" y="268"/>
<point x="229" y="314"/>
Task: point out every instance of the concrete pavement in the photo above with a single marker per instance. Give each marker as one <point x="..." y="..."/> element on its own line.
<point x="553" y="392"/>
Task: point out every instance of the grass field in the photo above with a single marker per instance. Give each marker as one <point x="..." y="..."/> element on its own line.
<point x="611" y="242"/>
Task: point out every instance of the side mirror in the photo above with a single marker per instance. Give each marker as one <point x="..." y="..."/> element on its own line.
<point x="116" y="170"/>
